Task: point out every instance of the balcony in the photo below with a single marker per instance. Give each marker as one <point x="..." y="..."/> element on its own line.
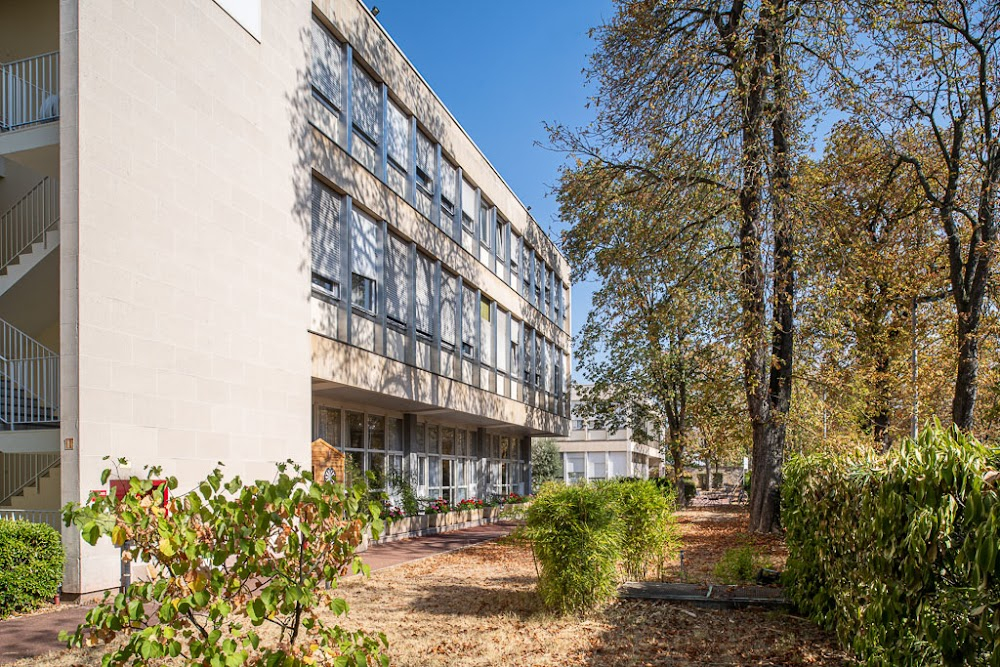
<point x="29" y="91"/>
<point x="29" y="103"/>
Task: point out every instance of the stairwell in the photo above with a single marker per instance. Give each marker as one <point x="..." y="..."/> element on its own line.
<point x="29" y="231"/>
<point x="30" y="487"/>
<point x="29" y="381"/>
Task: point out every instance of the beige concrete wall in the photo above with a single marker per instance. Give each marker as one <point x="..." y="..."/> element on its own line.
<point x="185" y="245"/>
<point x="28" y="28"/>
<point x="354" y="367"/>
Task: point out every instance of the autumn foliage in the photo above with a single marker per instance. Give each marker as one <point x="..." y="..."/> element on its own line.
<point x="223" y="562"/>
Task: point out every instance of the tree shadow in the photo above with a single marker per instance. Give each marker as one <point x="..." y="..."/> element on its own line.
<point x="481" y="601"/>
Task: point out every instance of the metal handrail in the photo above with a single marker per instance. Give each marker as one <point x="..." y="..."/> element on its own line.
<point x="29" y="91"/>
<point x="30" y="374"/>
<point x="49" y="517"/>
<point x="21" y="470"/>
<point x="27" y="221"/>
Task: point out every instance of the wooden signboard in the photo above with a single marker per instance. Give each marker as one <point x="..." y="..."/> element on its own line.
<point x="327" y="462"/>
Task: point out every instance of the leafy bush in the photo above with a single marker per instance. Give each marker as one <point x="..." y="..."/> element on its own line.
<point x="690" y="490"/>
<point x="222" y="560"/>
<point x="740" y="565"/>
<point x="575" y="535"/>
<point x="898" y="553"/>
<point x="648" y="533"/>
<point x="31" y="565"/>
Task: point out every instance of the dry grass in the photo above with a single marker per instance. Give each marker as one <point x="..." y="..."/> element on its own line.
<point x="477" y="607"/>
<point x="708" y="532"/>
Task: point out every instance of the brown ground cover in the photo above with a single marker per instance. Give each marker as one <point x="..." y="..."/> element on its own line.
<point x="477" y="607"/>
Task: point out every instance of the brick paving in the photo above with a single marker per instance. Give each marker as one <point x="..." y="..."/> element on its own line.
<point x="38" y="634"/>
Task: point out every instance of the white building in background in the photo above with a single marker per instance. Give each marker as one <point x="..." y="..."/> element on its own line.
<point x="593" y="454"/>
<point x="230" y="227"/>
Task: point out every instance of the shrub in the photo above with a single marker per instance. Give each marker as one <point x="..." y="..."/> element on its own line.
<point x="222" y="560"/>
<point x="31" y="565"/>
<point x="648" y="534"/>
<point x="739" y="565"/>
<point x="898" y="553"/>
<point x="575" y="536"/>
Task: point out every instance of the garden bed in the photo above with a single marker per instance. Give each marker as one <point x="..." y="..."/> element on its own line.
<point x="431" y="524"/>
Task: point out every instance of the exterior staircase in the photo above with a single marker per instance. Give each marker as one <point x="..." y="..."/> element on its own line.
<point x="29" y="91"/>
<point x="30" y="487"/>
<point x="29" y="381"/>
<point x="29" y="231"/>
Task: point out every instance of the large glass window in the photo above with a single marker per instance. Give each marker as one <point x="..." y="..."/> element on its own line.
<point x="449" y="308"/>
<point x="366" y="118"/>
<point x="397" y="281"/>
<point x="470" y="322"/>
<point x="327" y="425"/>
<point x="449" y="194"/>
<point x="398" y="148"/>
<point x="327" y="68"/>
<point x="326" y="207"/>
<point x="426" y="272"/>
<point x="426" y="175"/>
<point x="487" y="346"/>
<point x="503" y="340"/>
<point x="468" y="206"/>
<point x="365" y="261"/>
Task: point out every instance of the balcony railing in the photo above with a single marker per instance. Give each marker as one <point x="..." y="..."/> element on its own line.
<point x="51" y="517"/>
<point x="27" y="221"/>
<point x="29" y="91"/>
<point x="29" y="380"/>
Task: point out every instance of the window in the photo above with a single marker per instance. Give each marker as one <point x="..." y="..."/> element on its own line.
<point x="558" y="300"/>
<point x="503" y="340"/>
<point x="486" y="332"/>
<point x="515" y="260"/>
<point x="539" y="361"/>
<point x="526" y="256"/>
<point x="598" y="467"/>
<point x="449" y="194"/>
<point x="327" y="425"/>
<point x="578" y="423"/>
<point x="529" y="356"/>
<point x="447" y="442"/>
<point x="470" y="321"/>
<point x="426" y="175"/>
<point x="363" y="293"/>
<point x="501" y="242"/>
<point x="515" y="342"/>
<point x="365" y="261"/>
<point x="468" y="206"/>
<point x="449" y="308"/>
<point x="575" y="467"/>
<point x="327" y="68"/>
<point x="397" y="281"/>
<point x="425" y="295"/>
<point x="539" y="277"/>
<point x="366" y="105"/>
<point x="485" y="231"/>
<point x="326" y="239"/>
<point x="548" y="292"/>
<point x="398" y="149"/>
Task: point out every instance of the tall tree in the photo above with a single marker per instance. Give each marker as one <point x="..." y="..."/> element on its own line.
<point x="874" y="261"/>
<point x="932" y="67"/>
<point x="715" y="80"/>
<point x="648" y="342"/>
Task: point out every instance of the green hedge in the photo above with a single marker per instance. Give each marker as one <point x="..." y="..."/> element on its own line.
<point x="31" y="565"/>
<point x="898" y="553"/>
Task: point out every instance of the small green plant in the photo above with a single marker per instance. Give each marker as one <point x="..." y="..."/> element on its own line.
<point x="223" y="560"/>
<point x="31" y="565"/>
<point x="648" y="534"/>
<point x="740" y="565"/>
<point x="400" y="485"/>
<point x="576" y="538"/>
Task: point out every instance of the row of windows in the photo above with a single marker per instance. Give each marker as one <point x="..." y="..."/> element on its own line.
<point x="387" y="141"/>
<point x="446" y="462"/>
<point x="420" y="297"/>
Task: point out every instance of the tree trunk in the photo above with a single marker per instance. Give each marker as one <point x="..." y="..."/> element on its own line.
<point x="677" y="460"/>
<point x="964" y="403"/>
<point x="765" y="479"/>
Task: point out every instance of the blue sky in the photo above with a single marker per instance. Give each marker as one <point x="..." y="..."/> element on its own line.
<point x="514" y="65"/>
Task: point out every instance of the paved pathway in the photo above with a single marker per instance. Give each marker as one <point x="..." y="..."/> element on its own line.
<point x="31" y="636"/>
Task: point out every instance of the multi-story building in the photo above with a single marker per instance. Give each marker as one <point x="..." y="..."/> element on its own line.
<point x="232" y="227"/>
<point x="591" y="453"/>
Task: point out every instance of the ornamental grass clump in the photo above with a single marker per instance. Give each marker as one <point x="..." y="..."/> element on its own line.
<point x="575" y="534"/>
<point x="648" y="533"/>
<point x="899" y="553"/>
